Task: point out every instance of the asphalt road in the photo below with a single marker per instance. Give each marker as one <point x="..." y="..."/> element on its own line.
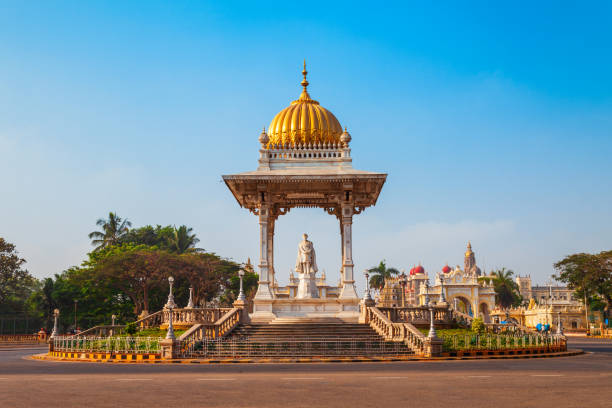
<point x="580" y="381"/>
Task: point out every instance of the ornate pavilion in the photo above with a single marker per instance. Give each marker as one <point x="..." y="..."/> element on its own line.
<point x="305" y="161"/>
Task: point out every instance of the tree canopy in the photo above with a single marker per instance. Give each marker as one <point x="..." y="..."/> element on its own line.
<point x="506" y="290"/>
<point x="589" y="275"/>
<point x="379" y="273"/>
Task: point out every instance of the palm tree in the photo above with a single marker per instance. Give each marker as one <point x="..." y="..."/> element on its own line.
<point x="112" y="230"/>
<point x="182" y="240"/>
<point x="506" y="290"/>
<point x="379" y="273"/>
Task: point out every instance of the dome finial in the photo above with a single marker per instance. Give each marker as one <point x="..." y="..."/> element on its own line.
<point x="304" y="96"/>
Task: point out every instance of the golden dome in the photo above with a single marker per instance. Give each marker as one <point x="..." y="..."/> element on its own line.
<point x="304" y="122"/>
<point x="469" y="249"/>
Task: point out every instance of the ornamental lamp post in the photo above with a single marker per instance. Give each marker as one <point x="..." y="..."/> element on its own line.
<point x="170" y="303"/>
<point x="559" y="328"/>
<point x="442" y="295"/>
<point x="241" y="297"/>
<point x="403" y="282"/>
<point x="367" y="296"/>
<point x="170" y="335"/>
<point x="432" y="328"/>
<point x="56" y="314"/>
<point x="113" y="318"/>
<point x="427" y="292"/>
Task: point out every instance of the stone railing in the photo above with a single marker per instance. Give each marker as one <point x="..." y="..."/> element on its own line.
<point x="418" y="315"/>
<point x="317" y="151"/>
<point x="414" y="338"/>
<point x="102" y="331"/>
<point x="398" y="332"/>
<point x="152" y="320"/>
<point x="199" y="332"/>
<point x="383" y="325"/>
<point x="463" y="318"/>
<point x="225" y="324"/>
<point x="193" y="316"/>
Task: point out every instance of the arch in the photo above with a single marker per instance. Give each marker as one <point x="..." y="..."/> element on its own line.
<point x="462" y="304"/>
<point x="483" y="311"/>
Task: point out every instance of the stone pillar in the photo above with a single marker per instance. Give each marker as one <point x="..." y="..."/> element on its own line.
<point x="169" y="348"/>
<point x="270" y="252"/>
<point x="263" y="290"/>
<point x="432" y="346"/>
<point x="348" y="281"/>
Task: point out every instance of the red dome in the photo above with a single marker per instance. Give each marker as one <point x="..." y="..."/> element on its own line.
<point x="412" y="271"/>
<point x="419" y="269"/>
<point x="446" y="269"/>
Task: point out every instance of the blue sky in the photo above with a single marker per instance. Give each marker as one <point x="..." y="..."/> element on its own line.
<point x="493" y="122"/>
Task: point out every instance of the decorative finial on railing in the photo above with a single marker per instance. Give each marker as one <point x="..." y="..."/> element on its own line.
<point x="263" y="137"/>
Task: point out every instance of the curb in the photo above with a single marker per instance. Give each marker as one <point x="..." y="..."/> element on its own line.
<point x="158" y="360"/>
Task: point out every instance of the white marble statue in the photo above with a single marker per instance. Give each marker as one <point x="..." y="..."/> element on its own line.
<point x="306" y="268"/>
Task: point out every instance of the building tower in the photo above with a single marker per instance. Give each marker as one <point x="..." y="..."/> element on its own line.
<point x="470" y="262"/>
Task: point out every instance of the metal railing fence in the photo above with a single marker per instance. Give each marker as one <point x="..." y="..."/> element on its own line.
<point x="488" y="341"/>
<point x="296" y="347"/>
<point x="132" y="345"/>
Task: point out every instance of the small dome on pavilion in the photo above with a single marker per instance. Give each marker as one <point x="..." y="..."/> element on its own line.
<point x="446" y="269"/>
<point x="305" y="122"/>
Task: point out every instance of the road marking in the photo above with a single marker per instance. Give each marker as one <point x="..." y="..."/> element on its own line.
<point x="389" y="378"/>
<point x="547" y="375"/>
<point x="216" y="379"/>
<point x="134" y="379"/>
<point x="303" y="378"/>
<point x="479" y="376"/>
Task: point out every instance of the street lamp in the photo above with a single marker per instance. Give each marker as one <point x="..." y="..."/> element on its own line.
<point x="367" y="296"/>
<point x="559" y="328"/>
<point x="427" y="292"/>
<point x="56" y="314"/>
<point x="113" y="317"/>
<point x="241" y="297"/>
<point x="170" y="303"/>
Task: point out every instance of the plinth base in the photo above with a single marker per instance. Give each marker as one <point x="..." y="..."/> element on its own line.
<point x="266" y="310"/>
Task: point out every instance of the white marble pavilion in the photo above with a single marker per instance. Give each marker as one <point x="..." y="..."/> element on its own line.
<point x="305" y="161"/>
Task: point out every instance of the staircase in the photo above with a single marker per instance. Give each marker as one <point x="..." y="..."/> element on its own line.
<point x="331" y="338"/>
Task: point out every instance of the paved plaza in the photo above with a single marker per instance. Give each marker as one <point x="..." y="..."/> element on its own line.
<point x="548" y="382"/>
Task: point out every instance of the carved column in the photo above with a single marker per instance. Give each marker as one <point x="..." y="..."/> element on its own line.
<point x="348" y="282"/>
<point x="271" y="272"/>
<point x="342" y="248"/>
<point x="263" y="290"/>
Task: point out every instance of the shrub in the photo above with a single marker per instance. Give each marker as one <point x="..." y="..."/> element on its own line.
<point x="478" y="325"/>
<point x="131" y="328"/>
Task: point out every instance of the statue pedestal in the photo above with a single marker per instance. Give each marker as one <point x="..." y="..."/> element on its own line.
<point x="264" y="311"/>
<point x="307" y="286"/>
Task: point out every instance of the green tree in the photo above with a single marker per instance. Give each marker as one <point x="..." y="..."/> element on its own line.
<point x="506" y="289"/>
<point x="379" y="273"/>
<point x="182" y="240"/>
<point x="589" y="275"/>
<point x="113" y="230"/>
<point x="16" y="283"/>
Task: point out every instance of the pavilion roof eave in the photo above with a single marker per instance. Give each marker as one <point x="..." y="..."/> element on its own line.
<point x="287" y="177"/>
